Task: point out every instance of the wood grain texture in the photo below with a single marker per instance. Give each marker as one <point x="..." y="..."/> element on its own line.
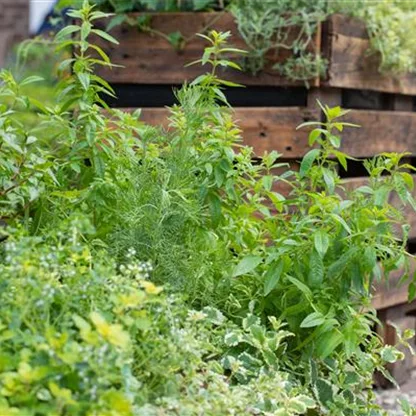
<point x="408" y="213"/>
<point x="149" y="58"/>
<point x="263" y="128"/>
<point x="350" y="64"/>
<point x="381" y="131"/>
<point x="388" y="294"/>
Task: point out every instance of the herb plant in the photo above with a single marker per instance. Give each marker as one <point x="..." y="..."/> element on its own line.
<point x="268" y="27"/>
<point x="149" y="272"/>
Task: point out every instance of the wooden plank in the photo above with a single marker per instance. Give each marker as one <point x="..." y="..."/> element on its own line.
<point x="381" y="131"/>
<point x="402" y="103"/>
<point x="389" y="294"/>
<point x="149" y="58"/>
<point x="408" y="212"/>
<point x="264" y="128"/>
<point x="401" y="369"/>
<point x="329" y="96"/>
<point x="350" y="65"/>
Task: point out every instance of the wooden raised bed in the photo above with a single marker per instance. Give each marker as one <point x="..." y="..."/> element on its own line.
<point x="392" y="305"/>
<point x="150" y="58"/>
<point x="346" y="45"/>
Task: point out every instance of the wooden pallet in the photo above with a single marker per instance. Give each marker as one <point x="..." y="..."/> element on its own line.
<point x="391" y="302"/>
<point x="386" y="109"/>
<point x="345" y="44"/>
<point x="149" y="58"/>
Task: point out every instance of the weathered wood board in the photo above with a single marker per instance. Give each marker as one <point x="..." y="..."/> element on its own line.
<point x="263" y="128"/>
<point x="149" y="58"/>
<point x="346" y="46"/>
<point x="380" y="131"/>
<point x="391" y="294"/>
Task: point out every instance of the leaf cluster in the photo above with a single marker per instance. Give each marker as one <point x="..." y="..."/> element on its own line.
<point x="159" y="271"/>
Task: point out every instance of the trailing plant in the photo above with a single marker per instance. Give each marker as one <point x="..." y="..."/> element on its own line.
<point x="274" y="29"/>
<point x="270" y="28"/>
<point x="389" y="24"/>
<point x="266" y="301"/>
<point x="125" y="6"/>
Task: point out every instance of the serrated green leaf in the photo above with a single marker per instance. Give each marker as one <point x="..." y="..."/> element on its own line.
<point x="321" y="242"/>
<point x="316" y="269"/>
<point x="324" y="391"/>
<point x="342" y="158"/>
<point x="301" y="286"/>
<point x="408" y="180"/>
<point x="314" y="135"/>
<point x="335" y="140"/>
<point x="328" y="342"/>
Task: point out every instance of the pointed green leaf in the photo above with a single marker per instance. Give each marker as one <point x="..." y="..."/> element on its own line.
<point x="307" y="161"/>
<point x="312" y="320"/>
<point x="272" y="276"/>
<point x="246" y="265"/>
<point x="321" y="242"/>
<point x="68" y="30"/>
<point x="316" y="269"/>
<point x="105" y="36"/>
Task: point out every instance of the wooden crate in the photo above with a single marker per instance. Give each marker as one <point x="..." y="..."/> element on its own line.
<point x="346" y="45"/>
<point x="150" y="58"/>
<point x="391" y="302"/>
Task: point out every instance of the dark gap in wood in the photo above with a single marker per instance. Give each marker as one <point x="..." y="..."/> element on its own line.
<point x="149" y="95"/>
<point x="366" y="100"/>
<point x="355" y="169"/>
<point x="411" y="246"/>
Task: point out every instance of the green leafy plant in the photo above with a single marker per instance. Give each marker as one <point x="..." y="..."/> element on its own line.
<point x="160" y="272"/>
<point x="271" y="27"/>
<point x="389" y="26"/>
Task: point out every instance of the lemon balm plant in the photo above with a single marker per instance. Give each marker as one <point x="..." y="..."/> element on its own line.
<point x="253" y="304"/>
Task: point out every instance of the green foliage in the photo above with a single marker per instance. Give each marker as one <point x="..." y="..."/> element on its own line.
<point x="81" y="338"/>
<point x="125" y="6"/>
<point x="390" y="27"/>
<point x="271" y="27"/>
<point x="266" y="300"/>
